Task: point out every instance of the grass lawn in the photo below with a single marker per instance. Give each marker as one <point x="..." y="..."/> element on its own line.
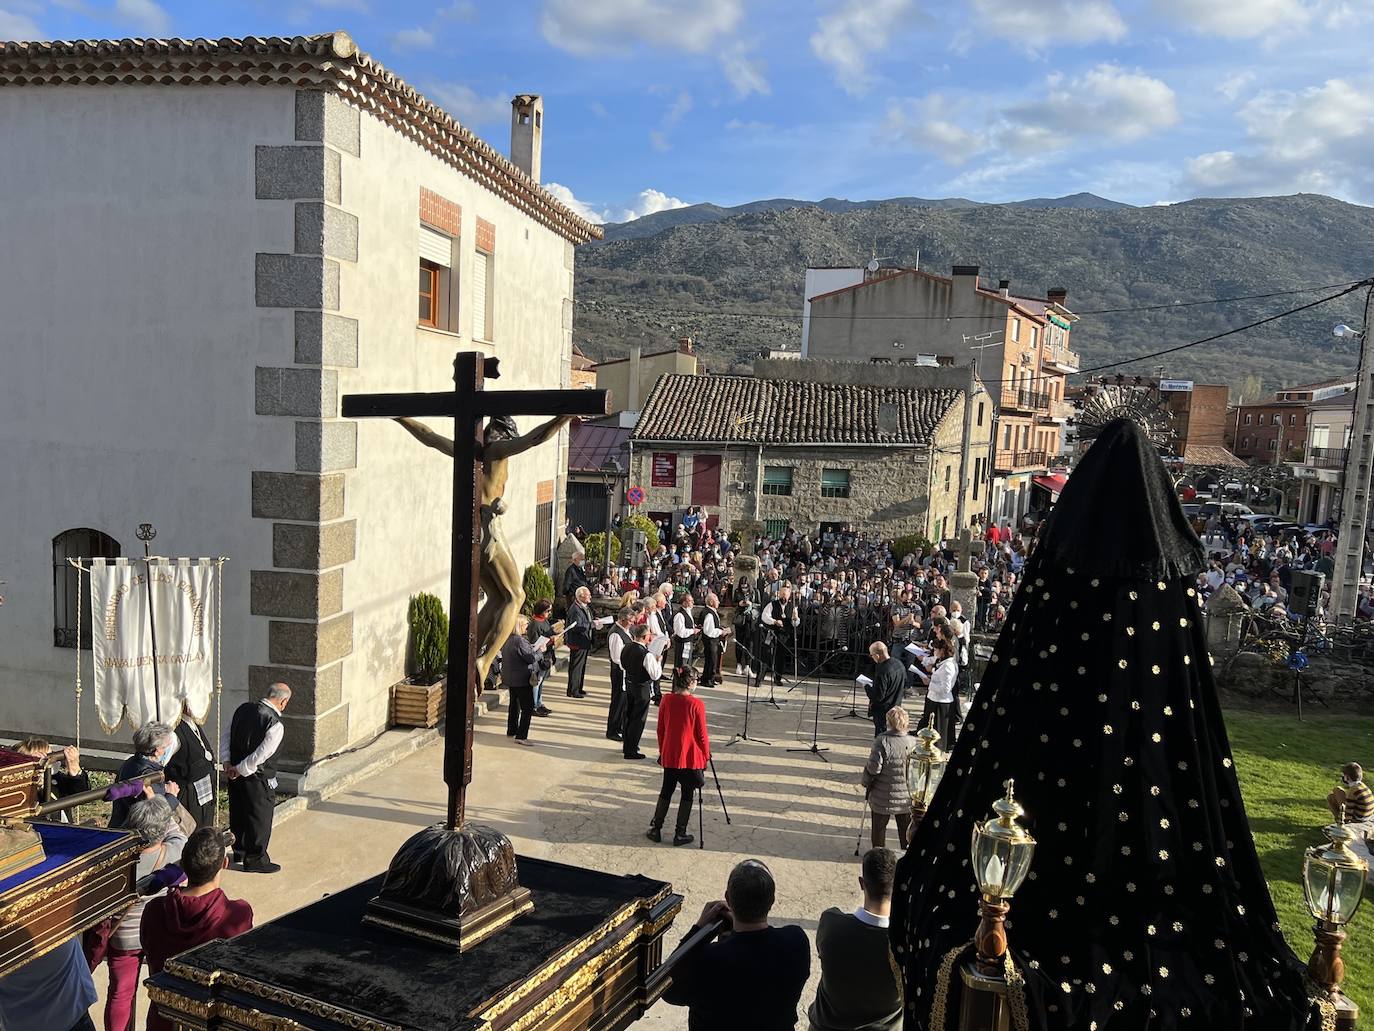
<point x="1286" y="769"/>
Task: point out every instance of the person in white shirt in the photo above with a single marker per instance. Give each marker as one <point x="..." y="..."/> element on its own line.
<point x="713" y="633"/>
<point x="255" y="734"/>
<point x="657" y="629"/>
<point x="616" y="641"/>
<point x="642" y="669"/>
<point x="685" y="632"/>
<point x="780" y="618"/>
<point x="940" y="684"/>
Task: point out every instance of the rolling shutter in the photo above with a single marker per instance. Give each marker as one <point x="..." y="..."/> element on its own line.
<point x="481" y="327"/>
<point x="436" y="247"/>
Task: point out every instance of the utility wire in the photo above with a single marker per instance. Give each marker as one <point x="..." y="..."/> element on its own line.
<point x="1170" y="306"/>
<point x="1230" y="332"/>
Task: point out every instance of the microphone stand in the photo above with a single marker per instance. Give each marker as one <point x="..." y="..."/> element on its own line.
<point x="743" y="733"/>
<point x="816" y="717"/>
<point x="772" y="660"/>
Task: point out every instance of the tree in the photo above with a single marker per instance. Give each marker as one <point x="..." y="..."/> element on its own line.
<point x="538" y="587"/>
<point x="428" y="638"/>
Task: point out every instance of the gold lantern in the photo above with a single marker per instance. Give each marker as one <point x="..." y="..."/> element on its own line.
<point x="1002" y="852"/>
<point x="1333" y="880"/>
<point x="925" y="767"/>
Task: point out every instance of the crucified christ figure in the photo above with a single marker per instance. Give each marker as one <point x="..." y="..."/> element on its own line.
<point x="498" y="574"/>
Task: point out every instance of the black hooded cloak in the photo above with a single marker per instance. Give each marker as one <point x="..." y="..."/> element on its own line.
<point x="1145" y="905"/>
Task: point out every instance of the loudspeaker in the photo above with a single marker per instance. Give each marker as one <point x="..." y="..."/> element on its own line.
<point x="634" y="548"/>
<point x="1305" y="592"/>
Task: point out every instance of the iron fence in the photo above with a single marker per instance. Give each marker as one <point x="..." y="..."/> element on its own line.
<point x="831" y="638"/>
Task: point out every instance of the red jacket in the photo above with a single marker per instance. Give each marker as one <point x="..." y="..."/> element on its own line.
<point x="176" y="922"/>
<point x="682" y="740"/>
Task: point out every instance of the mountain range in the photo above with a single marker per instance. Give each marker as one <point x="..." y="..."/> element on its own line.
<point x="732" y="277"/>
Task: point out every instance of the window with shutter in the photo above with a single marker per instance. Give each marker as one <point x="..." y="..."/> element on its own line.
<point x="481" y="295"/>
<point x="834" y="483"/>
<point x="777" y="479"/>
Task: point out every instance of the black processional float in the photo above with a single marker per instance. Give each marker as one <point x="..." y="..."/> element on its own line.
<point x="459" y="934"/>
<point x="1144" y="905"/>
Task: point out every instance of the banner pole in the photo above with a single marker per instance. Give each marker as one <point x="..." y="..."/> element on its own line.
<point x="146" y="533"/>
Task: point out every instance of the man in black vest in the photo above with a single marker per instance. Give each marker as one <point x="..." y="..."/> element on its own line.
<point x="684" y="633"/>
<point x="642" y="667"/>
<point x="579" y="638"/>
<point x="254" y="736"/>
<point x="713" y="634"/>
<point x="780" y="620"/>
<point x="616" y="641"/>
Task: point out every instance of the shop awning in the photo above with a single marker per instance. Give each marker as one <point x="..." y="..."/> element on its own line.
<point x="1053" y="483"/>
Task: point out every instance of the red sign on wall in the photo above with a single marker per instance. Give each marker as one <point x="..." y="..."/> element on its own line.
<point x="664" y="472"/>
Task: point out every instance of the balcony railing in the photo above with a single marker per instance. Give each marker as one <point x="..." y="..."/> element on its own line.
<point x="1010" y="461"/>
<point x="1061" y="359"/>
<point x="1325" y="457"/>
<point x="1024" y="400"/>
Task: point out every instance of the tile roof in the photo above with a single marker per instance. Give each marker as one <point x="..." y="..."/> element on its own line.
<point x="330" y="62"/>
<point x="1211" y="454"/>
<point x="741" y="409"/>
<point x="590" y="444"/>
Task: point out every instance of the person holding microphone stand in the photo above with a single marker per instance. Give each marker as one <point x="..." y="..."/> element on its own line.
<point x="684" y="751"/>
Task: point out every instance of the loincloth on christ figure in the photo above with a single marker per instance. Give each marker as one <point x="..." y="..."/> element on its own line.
<point x="491" y="541"/>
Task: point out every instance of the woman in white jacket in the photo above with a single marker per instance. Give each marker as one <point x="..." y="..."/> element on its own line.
<point x="940" y="684"/>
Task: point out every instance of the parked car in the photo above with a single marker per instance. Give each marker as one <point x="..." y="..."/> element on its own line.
<point x="1263" y="521"/>
<point x="1229" y="509"/>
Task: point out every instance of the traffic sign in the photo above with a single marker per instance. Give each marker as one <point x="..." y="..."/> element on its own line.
<point x="635" y="496"/>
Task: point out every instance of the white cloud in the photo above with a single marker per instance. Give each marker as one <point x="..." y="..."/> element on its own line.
<point x="407" y="40"/>
<point x="1236" y="20"/>
<point x="846" y="38"/>
<point x="1105" y="103"/>
<point x="1035" y="24"/>
<point x="458" y="10"/>
<point x="1316" y="140"/>
<point x="144" y="15"/>
<point x="1235" y="84"/>
<point x="744" y="72"/>
<point x="597" y="27"/>
<point x="661" y="137"/>
<point x="647" y="202"/>
<point x="18" y="27"/>
<point x="470" y="108"/>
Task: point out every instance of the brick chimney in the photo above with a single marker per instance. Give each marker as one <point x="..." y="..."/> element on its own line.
<point x="1058" y="295"/>
<point x="527" y="133"/>
<point x="684" y="345"/>
<point x="965" y="279"/>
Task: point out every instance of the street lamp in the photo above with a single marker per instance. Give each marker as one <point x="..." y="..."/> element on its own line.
<point x="1332" y="885"/>
<point x="1002" y="851"/>
<point x="925" y="766"/>
<point x="610" y="475"/>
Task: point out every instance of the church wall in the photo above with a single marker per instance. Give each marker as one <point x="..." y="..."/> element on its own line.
<point x="130" y="338"/>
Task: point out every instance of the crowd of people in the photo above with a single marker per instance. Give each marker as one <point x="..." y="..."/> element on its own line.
<point x="164" y="794"/>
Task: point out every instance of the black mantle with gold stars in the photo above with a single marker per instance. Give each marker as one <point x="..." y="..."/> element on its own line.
<point x="1145" y="905"/>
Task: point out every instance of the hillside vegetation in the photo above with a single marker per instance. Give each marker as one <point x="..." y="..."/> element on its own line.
<point x="708" y="279"/>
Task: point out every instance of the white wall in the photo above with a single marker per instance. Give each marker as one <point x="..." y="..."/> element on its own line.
<point x="821" y="281"/>
<point x="401" y="492"/>
<point x="128" y="337"/>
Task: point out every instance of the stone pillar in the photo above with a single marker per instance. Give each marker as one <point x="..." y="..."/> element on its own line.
<point x="1225" y="616"/>
<point x="301" y="596"/>
<point x="963" y="588"/>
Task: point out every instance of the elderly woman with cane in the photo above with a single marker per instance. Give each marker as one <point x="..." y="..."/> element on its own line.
<point x="884" y="778"/>
<point x="684" y="752"/>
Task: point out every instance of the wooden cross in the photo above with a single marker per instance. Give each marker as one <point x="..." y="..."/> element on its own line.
<point x="468" y="405"/>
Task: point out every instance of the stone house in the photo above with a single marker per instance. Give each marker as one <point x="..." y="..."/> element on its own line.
<point x="813" y="445"/>
<point x="240" y="226"/>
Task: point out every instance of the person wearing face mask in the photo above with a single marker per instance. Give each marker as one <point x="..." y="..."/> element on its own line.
<point x="154" y="743"/>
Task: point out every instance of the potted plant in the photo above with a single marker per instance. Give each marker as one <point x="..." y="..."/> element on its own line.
<point x="418" y="701"/>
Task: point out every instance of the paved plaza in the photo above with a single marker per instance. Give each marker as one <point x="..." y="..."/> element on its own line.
<point x="574" y="799"/>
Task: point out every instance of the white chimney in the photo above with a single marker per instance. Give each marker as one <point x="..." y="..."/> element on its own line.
<point x="527" y="133"/>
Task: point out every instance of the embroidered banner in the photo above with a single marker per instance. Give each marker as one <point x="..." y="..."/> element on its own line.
<point x="183" y="601"/>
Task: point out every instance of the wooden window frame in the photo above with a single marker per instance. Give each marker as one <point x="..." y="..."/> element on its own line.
<point x="834" y="491"/>
<point x="433" y="321"/>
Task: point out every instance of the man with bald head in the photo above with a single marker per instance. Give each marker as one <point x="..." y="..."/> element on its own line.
<point x="889" y="681"/>
<point x="255" y="735"/>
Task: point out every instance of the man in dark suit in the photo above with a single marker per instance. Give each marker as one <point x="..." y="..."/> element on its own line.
<point x="642" y="667"/>
<point x="575" y="576"/>
<point x="889" y="681"/>
<point x="520" y="667"/>
<point x="192" y="769"/>
<point x="579" y="637"/>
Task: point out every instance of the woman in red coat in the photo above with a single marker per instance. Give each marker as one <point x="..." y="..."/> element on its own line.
<point x="683" y="751"/>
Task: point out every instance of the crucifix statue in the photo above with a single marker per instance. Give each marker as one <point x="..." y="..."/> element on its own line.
<point x="456" y="882"/>
<point x="965" y="549"/>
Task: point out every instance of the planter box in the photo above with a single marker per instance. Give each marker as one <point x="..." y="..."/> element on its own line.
<point x="413" y="705"/>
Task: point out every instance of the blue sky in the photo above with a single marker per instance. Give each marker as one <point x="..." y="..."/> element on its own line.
<point x="653" y="103"/>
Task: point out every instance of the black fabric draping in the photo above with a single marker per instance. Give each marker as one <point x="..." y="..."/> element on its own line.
<point x="1145" y="905"/>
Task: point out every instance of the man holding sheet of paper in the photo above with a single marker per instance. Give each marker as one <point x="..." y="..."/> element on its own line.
<point x="885" y="687"/>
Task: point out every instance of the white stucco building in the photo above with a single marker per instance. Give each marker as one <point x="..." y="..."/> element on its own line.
<point x="207" y="245"/>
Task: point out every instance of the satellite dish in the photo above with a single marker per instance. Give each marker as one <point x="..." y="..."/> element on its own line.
<point x="872" y="265"/>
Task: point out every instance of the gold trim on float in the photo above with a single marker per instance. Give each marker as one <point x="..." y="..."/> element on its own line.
<point x="33" y="894"/>
<point x="282" y="997"/>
